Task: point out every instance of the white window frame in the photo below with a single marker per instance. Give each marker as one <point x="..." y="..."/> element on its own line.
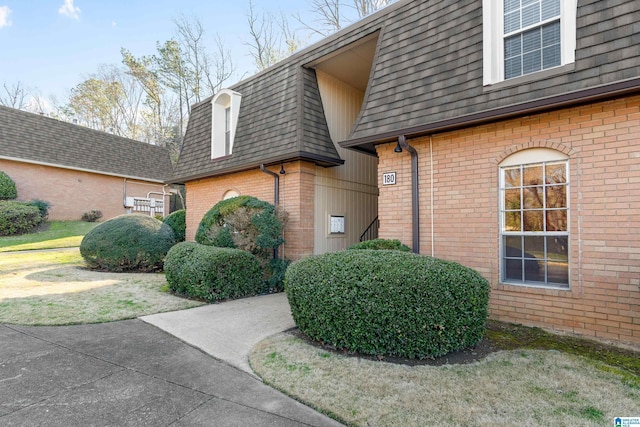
<point x="493" y="38"/>
<point x="532" y="157"/>
<point x="224" y="100"/>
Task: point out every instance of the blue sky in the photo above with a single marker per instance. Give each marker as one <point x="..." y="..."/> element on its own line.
<point x="52" y="45"/>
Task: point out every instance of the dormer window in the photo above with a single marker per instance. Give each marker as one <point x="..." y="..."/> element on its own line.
<point x="226" y="109"/>
<point x="523" y="37"/>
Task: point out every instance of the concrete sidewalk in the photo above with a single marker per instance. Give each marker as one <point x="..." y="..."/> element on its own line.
<point x="130" y="373"/>
<point x="228" y="331"/>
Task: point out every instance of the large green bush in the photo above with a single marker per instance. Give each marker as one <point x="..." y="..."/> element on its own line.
<point x="127" y="243"/>
<point x="388" y="302"/>
<point x="18" y="217"/>
<point x="212" y="274"/>
<point x="381" y="244"/>
<point x="178" y="222"/>
<point x="8" y="189"/>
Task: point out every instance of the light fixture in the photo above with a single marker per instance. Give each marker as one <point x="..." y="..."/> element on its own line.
<point x="398" y="148"/>
<point x="282" y="171"/>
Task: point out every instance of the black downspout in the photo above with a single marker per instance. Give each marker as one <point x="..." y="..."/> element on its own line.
<point x="415" y="200"/>
<point x="276" y="195"/>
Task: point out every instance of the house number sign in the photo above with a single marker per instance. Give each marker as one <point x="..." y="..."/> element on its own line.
<point x="389" y="178"/>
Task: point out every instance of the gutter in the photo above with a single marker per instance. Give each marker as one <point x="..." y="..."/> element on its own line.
<point x="415" y="200"/>
<point x="276" y="194"/>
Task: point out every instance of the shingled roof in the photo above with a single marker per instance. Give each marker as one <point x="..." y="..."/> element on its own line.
<point x="34" y="138"/>
<point x="426" y="77"/>
<point x="428" y="73"/>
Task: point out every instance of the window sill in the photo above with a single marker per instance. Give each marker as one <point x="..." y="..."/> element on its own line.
<point x="530" y="78"/>
<point x="552" y="287"/>
<point x="215" y="159"/>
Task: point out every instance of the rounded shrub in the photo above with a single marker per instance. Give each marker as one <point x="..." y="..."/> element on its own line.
<point x="127" y="243"/>
<point x="8" y="189"/>
<point x="18" y="217"/>
<point x="245" y="223"/>
<point x="388" y="302"/>
<point x="43" y="206"/>
<point x="381" y="244"/>
<point x="178" y="222"/>
<point x="210" y="273"/>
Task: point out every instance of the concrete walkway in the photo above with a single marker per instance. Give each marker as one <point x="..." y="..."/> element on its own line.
<point x="130" y="373"/>
<point x="228" y="331"/>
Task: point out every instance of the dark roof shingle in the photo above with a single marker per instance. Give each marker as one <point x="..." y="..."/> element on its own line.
<point x="39" y="139"/>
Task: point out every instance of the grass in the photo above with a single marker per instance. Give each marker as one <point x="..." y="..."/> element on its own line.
<point x="525" y="384"/>
<point x="55" y="234"/>
<point x="54" y="288"/>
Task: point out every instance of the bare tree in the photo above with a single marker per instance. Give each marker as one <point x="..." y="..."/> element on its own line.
<point x="367" y="7"/>
<point x="332" y="15"/>
<point x="14" y="95"/>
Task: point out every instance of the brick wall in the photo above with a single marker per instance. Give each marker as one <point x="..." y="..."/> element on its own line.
<point x="72" y="193"/>
<point x="602" y="141"/>
<point x="296" y="197"/>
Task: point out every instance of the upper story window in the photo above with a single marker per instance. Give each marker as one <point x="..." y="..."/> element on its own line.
<point x="526" y="36"/>
<point x="226" y="109"/>
<point x="534" y="218"/>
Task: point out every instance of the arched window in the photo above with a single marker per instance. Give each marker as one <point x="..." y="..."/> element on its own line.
<point x="230" y="194"/>
<point x="534" y="218"/>
<point x="226" y="110"/>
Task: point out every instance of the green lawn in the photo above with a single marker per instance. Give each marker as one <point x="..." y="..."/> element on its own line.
<point x="55" y="234"/>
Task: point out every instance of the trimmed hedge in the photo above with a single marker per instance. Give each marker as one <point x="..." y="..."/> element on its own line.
<point x="381" y="244"/>
<point x="132" y="242"/>
<point x="388" y="302"/>
<point x="43" y="207"/>
<point x="178" y="222"/>
<point x="18" y="217"/>
<point x="212" y="274"/>
<point x="8" y="189"/>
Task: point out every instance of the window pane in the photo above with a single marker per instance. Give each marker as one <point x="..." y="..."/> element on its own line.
<point x="511" y="21"/>
<point x="531" y="40"/>
<point x="511" y="5"/>
<point x="534" y="270"/>
<point x="512" y="46"/>
<point x="534" y="247"/>
<point x="558" y="272"/>
<point x="551" y="34"/>
<point x="532" y="62"/>
<point x="513" y="246"/>
<point x="512" y="177"/>
<point x="551" y="57"/>
<point x="512" y="221"/>
<point x="550" y="8"/>
<point x="532" y="221"/>
<point x="512" y="199"/>
<point x="513" y="269"/>
<point x="532" y="198"/>
<point x="512" y="67"/>
<point x="530" y="15"/>
<point x="558" y="248"/>
<point x="556" y="220"/>
<point x="532" y="175"/>
<point x="556" y="173"/>
<point x="556" y="196"/>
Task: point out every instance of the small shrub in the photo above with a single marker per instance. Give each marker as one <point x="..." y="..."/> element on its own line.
<point x="127" y="243"/>
<point x="381" y="244"/>
<point x="388" y="302"/>
<point x="212" y="274"/>
<point x="8" y="189"/>
<point x="91" y="216"/>
<point x="18" y="217"/>
<point x="177" y="221"/>
<point x="42" y="206"/>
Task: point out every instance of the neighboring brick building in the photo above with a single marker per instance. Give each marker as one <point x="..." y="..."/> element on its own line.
<point x="506" y="135"/>
<point x="77" y="169"/>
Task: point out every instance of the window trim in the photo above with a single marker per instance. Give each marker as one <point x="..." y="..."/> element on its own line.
<point x="493" y="39"/>
<point x="528" y="157"/>
<point x="223" y="126"/>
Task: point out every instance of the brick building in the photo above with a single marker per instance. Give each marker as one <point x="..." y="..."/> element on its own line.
<point x="505" y="135"/>
<point x="77" y="169"/>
